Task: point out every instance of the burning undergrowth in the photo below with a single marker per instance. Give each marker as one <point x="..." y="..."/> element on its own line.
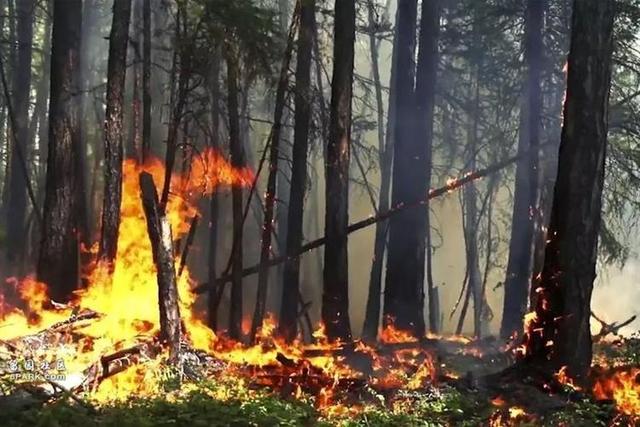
<point x="102" y="349"/>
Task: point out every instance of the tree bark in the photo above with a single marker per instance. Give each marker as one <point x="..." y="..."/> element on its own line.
<point x="427" y="73"/>
<point x="525" y="207"/>
<point x="403" y="297"/>
<point x="146" y="79"/>
<point x="113" y="131"/>
<point x="237" y="161"/>
<point x="21" y="87"/>
<point x="303" y="96"/>
<point x="385" y="149"/>
<point x="58" y="261"/>
<point x="214" y="209"/>
<point x="272" y="183"/>
<point x="335" y="297"/>
<point x="135" y="140"/>
<point x="161" y="239"/>
<point x="562" y="311"/>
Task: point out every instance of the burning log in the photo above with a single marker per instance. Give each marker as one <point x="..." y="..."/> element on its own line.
<point x="159" y="231"/>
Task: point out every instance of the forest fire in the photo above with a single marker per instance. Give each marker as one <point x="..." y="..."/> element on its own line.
<point x="106" y="337"/>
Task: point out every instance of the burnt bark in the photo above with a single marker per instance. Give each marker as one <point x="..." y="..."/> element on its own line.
<point x="214" y="208"/>
<point x="525" y="206"/>
<point x="385" y="149"/>
<point x="303" y="96"/>
<point x="335" y="297"/>
<point x="426" y="78"/>
<point x="161" y="239"/>
<point x="114" y="131"/>
<point x="272" y="184"/>
<point x="237" y="161"/>
<point x="21" y="89"/>
<point x="146" y="79"/>
<point x="403" y="295"/>
<point x="134" y="150"/>
<point x="562" y="309"/>
<point x="58" y="260"/>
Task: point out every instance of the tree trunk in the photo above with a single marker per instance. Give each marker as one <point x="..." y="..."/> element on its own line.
<point x="21" y="88"/>
<point x="161" y="239"/>
<point x="113" y="131"/>
<point x="426" y="78"/>
<point x="146" y="80"/>
<point x="471" y="217"/>
<point x="525" y="207"/>
<point x="562" y="309"/>
<point x="403" y="296"/>
<point x="385" y="149"/>
<point x="237" y="161"/>
<point x="270" y="196"/>
<point x="214" y="209"/>
<point x="288" y="320"/>
<point x="135" y="142"/>
<point x="335" y="297"/>
<point x="58" y="261"/>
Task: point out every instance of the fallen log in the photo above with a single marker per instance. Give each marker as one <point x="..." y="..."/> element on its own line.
<point x="451" y="185"/>
<point x="159" y="231"/>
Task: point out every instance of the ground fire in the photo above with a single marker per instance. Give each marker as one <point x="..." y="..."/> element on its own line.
<point x="104" y="344"/>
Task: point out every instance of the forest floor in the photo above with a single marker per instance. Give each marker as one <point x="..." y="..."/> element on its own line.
<point x="467" y="398"/>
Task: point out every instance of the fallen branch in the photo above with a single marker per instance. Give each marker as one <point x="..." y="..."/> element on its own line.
<point x="451" y="185"/>
<point x="610" y="328"/>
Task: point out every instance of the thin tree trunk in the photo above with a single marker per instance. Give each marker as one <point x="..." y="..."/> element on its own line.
<point x="470" y="196"/>
<point x="270" y="197"/>
<point x="58" y="262"/>
<point x="135" y="141"/>
<point x="237" y="161"/>
<point x="562" y="311"/>
<point x="303" y="96"/>
<point x="385" y="149"/>
<point x="214" y="209"/>
<point x="146" y="79"/>
<point x="335" y="297"/>
<point x="17" y="202"/>
<point x="518" y="279"/>
<point x="113" y="131"/>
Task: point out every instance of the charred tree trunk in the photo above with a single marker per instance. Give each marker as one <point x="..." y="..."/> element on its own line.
<point x="58" y="261"/>
<point x="21" y="86"/>
<point x="146" y="79"/>
<point x="403" y="294"/>
<point x="272" y="183"/>
<point x="303" y="96"/>
<point x="113" y="131"/>
<point x="237" y="161"/>
<point x="518" y="280"/>
<point x="562" y="311"/>
<point x="135" y="141"/>
<point x="161" y="239"/>
<point x="214" y="209"/>
<point x="335" y="297"/>
<point x="426" y="78"/>
<point x="385" y="149"/>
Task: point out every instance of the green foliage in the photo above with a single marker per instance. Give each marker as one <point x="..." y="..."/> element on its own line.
<point x="583" y="413"/>
<point x="194" y="410"/>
